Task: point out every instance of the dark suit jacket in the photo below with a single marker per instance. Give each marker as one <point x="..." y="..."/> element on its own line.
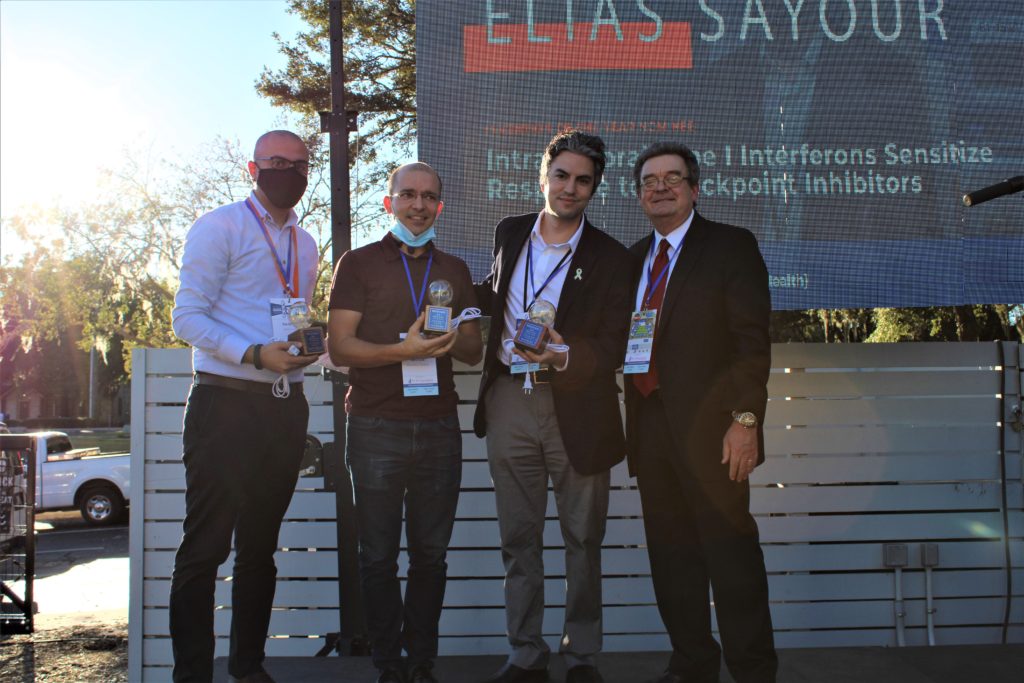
<point x="712" y="347"/>
<point x="593" y="317"/>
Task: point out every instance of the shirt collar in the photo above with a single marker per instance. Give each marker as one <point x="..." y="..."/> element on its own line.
<point x="292" y="220"/>
<point x="573" y="242"/>
<point x="675" y="238"/>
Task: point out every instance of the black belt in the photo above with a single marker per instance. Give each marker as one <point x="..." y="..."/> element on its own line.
<point x="541" y="376"/>
<point x="236" y="384"/>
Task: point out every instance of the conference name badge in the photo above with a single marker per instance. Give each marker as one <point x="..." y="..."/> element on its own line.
<point x="419" y="376"/>
<point x="640" y="344"/>
<point x="281" y="322"/>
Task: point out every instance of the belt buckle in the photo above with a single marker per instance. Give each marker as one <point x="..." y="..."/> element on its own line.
<point x="536" y="376"/>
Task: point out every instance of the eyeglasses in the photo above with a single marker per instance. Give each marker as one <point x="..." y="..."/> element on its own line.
<point x="282" y="164"/>
<point x="410" y="196"/>
<point x="670" y="179"/>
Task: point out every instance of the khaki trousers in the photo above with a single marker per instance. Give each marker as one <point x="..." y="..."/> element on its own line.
<point x="525" y="451"/>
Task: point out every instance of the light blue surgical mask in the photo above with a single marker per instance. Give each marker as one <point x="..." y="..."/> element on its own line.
<point x="404" y="235"/>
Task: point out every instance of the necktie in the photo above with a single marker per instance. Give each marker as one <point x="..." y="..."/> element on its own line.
<point x="648" y="381"/>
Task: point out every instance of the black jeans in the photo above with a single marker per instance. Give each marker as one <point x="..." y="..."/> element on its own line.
<point x="242" y="452"/>
<point x="418" y="462"/>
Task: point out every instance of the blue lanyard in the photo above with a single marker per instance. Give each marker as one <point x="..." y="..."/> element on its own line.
<point x="529" y="273"/>
<point x="653" y="286"/>
<point x="417" y="302"/>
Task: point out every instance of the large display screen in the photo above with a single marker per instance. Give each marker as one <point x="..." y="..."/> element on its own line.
<point x="843" y="133"/>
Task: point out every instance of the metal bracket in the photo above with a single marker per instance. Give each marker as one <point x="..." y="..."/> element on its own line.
<point x="331" y="122"/>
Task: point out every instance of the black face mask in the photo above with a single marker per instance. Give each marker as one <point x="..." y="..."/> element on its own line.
<point x="284" y="188"/>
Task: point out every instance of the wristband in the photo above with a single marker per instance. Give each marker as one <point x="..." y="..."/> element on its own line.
<point x="256" y="356"/>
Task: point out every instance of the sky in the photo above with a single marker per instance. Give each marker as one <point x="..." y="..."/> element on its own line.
<point x="81" y="81"/>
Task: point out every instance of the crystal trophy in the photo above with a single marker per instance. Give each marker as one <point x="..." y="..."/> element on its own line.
<point x="310" y="337"/>
<point x="439" y="312"/>
<point x="532" y="333"/>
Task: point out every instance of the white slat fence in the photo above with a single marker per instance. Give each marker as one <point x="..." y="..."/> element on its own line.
<point x="867" y="444"/>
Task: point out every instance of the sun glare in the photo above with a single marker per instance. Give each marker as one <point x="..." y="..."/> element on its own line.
<point x="61" y="126"/>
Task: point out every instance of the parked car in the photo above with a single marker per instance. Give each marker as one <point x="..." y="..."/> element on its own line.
<point x="68" y="478"/>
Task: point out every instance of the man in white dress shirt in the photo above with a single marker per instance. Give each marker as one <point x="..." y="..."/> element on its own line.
<point x="245" y="266"/>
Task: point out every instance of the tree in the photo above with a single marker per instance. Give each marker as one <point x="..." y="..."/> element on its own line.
<point x="118" y="257"/>
<point x="380" y="73"/>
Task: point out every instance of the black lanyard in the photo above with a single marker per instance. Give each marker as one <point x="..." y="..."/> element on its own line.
<point x="528" y="276"/>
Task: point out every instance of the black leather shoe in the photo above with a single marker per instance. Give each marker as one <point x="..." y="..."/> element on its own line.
<point x="510" y="673"/>
<point x="390" y="675"/>
<point x="422" y="673"/>
<point x="259" y="676"/>
<point x="584" y="673"/>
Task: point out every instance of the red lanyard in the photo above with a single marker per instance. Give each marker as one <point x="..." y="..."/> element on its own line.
<point x="293" y="248"/>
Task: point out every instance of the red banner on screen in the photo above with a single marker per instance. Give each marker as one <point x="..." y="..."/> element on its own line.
<point x="636" y="50"/>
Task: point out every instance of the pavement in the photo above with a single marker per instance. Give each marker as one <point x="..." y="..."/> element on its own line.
<point x="81" y="571"/>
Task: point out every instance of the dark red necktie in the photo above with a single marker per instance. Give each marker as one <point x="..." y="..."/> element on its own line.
<point x="648" y="381"/>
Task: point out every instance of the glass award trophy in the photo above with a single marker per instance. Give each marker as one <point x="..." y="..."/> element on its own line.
<point x="532" y="333"/>
<point x="439" y="313"/>
<point x="310" y="337"/>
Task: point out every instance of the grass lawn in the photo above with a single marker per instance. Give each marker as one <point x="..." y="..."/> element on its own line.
<point x="109" y="442"/>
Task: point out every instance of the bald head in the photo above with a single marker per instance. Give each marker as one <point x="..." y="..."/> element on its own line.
<point x="277" y="139"/>
<point x="413" y="166"/>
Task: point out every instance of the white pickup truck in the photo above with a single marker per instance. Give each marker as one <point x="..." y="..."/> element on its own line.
<point x="68" y="478"/>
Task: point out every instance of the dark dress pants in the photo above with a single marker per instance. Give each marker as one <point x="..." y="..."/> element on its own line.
<point x="700" y="531"/>
<point x="242" y="452"/>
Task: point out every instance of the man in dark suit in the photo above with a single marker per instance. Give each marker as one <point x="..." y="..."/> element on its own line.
<point x="694" y="424"/>
<point x="561" y="423"/>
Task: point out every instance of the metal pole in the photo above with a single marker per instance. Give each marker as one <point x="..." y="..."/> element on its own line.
<point x="352" y="618"/>
<point x="92" y="380"/>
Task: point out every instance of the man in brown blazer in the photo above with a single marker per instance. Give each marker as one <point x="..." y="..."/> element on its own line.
<point x="694" y="424"/>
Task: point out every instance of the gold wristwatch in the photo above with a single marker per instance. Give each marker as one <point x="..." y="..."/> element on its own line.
<point x="746" y="418"/>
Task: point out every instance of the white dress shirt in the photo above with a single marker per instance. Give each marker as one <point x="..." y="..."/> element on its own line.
<point x="545" y="258"/>
<point x="227" y="279"/>
<point x="675" y="241"/>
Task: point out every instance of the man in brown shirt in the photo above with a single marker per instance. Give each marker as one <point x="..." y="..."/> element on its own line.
<point x="403" y="442"/>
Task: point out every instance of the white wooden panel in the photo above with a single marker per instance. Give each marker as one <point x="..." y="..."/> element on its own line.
<point x="623" y="532"/>
<point x="969" y="440"/>
<point x="169" y="361"/>
<point x="167" y="447"/>
<point x="929" y="428"/>
<point x="857" y="384"/>
<point x="305" y="505"/>
<point x="288" y="594"/>
<point x="167" y="535"/>
<point x="779" y="558"/>
<point x="880" y="468"/>
<point x="300" y="564"/>
<point x="901" y="355"/>
<point x="884" y="411"/>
